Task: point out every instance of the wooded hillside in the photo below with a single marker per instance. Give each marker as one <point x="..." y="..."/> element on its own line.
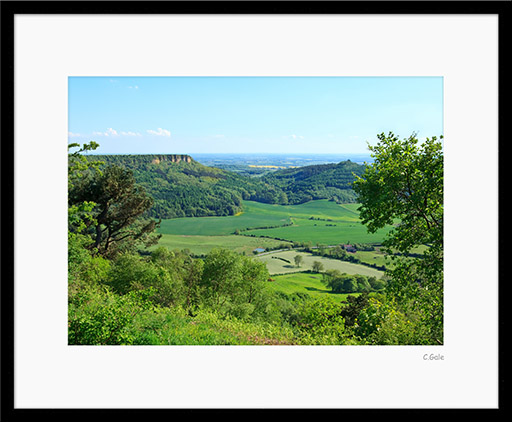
<point x="182" y="187"/>
<point x="324" y="181"/>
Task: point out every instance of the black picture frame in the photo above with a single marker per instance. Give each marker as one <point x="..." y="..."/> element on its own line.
<point x="11" y="8"/>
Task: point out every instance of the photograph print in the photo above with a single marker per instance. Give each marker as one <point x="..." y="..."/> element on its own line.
<point x="255" y="211"/>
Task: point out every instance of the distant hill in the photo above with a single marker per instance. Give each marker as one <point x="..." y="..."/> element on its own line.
<point x="324" y="181"/>
<point x="182" y="187"/>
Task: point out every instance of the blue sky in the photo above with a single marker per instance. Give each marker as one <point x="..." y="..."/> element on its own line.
<point x="187" y="115"/>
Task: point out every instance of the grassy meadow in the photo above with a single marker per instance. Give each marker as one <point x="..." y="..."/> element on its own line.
<point x="255" y="215"/>
<point x="283" y="263"/>
<point x="310" y="283"/>
<point x="319" y="222"/>
<point x="202" y="245"/>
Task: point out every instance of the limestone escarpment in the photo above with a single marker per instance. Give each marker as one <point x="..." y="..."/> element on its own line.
<point x="172" y="158"/>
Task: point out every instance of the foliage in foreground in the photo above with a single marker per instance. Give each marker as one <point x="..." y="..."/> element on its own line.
<point x="405" y="184"/>
<point x="168" y="298"/>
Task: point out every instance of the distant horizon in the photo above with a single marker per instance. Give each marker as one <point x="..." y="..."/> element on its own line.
<point x="227" y="158"/>
<point x="250" y="154"/>
<point x="230" y="153"/>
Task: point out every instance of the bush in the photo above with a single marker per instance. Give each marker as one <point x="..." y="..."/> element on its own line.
<point x="384" y="323"/>
<point x="82" y="265"/>
<point x="162" y="272"/>
<point x="345" y="283"/>
<point x="321" y="322"/>
<point x="97" y="316"/>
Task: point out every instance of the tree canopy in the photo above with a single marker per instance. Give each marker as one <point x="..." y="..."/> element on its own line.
<point x="404" y="187"/>
<point x="116" y="205"/>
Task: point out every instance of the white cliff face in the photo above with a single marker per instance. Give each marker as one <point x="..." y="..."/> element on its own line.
<point x="173" y="158"/>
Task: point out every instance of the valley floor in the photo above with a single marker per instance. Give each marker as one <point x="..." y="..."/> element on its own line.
<point x="276" y="234"/>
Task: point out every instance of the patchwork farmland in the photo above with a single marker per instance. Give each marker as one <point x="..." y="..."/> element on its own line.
<point x="276" y="234"/>
<point x="318" y="222"/>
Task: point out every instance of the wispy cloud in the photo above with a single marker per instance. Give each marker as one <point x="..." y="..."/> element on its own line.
<point x="130" y="133"/>
<point x="108" y="132"/>
<point x="73" y="135"/>
<point x="294" y="137"/>
<point x="159" y="132"/>
<point x="134" y="87"/>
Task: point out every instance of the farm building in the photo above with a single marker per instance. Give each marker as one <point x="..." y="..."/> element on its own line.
<point x="349" y="248"/>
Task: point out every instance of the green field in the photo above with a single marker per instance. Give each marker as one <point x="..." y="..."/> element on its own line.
<point x="320" y="233"/>
<point x="309" y="283"/>
<point x="255" y="215"/>
<point x="319" y="222"/>
<point x="201" y="245"/>
<point x="331" y="224"/>
<point x="279" y="266"/>
<point x="373" y="257"/>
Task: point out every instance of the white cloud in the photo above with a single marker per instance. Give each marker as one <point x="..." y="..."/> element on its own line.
<point x="159" y="132"/>
<point x="108" y="132"/>
<point x="73" y="135"/>
<point x="130" y="133"/>
<point x="134" y="87"/>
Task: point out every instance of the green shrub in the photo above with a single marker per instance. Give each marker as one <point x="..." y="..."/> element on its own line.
<point x="97" y="316"/>
<point x="82" y="265"/>
<point x="384" y="323"/>
<point x="321" y="322"/>
<point x="132" y="272"/>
